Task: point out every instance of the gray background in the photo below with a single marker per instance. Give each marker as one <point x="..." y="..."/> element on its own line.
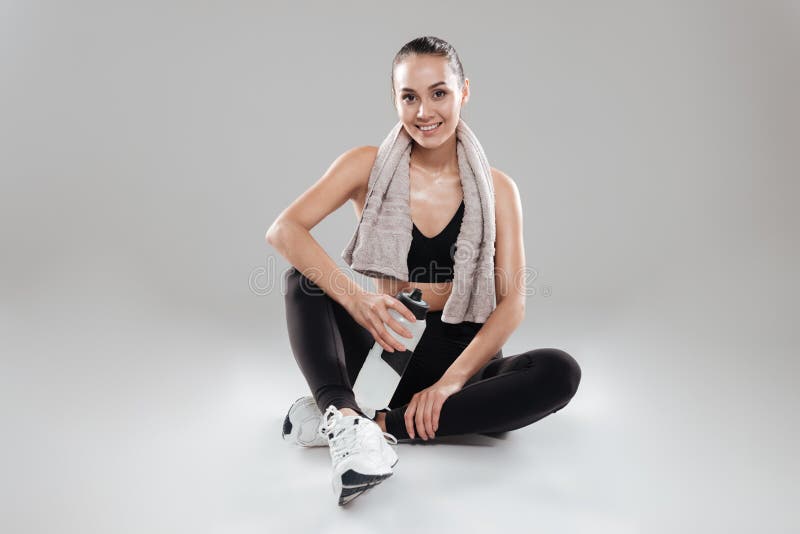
<point x="145" y="147"/>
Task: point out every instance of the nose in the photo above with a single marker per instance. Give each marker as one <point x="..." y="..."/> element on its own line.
<point x="421" y="111"/>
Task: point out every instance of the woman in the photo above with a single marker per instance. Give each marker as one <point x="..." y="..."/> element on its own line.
<point x="458" y="380"/>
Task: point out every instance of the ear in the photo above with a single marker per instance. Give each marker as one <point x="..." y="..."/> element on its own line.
<point x="465" y="92"/>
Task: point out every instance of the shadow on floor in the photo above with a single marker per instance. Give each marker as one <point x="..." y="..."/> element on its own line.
<point x="476" y="440"/>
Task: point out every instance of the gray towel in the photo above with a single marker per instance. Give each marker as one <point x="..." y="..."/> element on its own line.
<point x="379" y="247"/>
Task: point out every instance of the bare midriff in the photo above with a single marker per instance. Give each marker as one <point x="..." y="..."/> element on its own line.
<point x="434" y="294"/>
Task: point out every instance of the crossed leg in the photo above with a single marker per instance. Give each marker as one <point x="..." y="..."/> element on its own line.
<point x="505" y="394"/>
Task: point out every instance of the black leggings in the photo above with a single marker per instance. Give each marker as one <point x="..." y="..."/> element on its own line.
<point x="505" y="394"/>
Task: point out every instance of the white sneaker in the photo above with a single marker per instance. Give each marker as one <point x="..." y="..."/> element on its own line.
<point x="361" y="456"/>
<point x="302" y="422"/>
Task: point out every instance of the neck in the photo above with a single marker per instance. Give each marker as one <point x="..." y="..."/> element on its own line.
<point x="436" y="160"/>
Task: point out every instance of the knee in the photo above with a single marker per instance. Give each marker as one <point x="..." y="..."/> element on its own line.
<point x="566" y="373"/>
<point x="296" y="284"/>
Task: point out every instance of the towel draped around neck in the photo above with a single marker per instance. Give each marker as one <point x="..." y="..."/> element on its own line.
<point x="380" y="244"/>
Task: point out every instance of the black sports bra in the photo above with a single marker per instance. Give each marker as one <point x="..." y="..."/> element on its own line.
<point x="430" y="259"/>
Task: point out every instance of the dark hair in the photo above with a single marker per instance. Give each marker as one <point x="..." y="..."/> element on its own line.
<point x="433" y="46"/>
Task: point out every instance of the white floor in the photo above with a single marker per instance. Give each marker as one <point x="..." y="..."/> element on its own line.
<point x="144" y="152"/>
<point x="125" y="420"/>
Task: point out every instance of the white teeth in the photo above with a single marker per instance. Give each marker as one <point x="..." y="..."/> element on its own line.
<point x="429" y="128"/>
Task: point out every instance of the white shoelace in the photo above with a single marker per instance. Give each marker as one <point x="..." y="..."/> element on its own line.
<point x="343" y="441"/>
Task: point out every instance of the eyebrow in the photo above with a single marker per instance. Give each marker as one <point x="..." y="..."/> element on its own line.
<point x="429" y="87"/>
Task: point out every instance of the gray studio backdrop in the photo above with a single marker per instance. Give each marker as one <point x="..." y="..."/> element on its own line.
<point x="145" y="147"/>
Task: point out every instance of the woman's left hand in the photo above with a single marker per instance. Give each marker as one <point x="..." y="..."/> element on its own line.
<point x="426" y="405"/>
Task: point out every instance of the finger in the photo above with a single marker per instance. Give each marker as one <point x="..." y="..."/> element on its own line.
<point x="387" y="318"/>
<point x="426" y="415"/>
<point x="405" y="311"/>
<point x="418" y="418"/>
<point x="398" y="327"/>
<point x="380" y="335"/>
<point x="409" y="416"/>
<point x="378" y="339"/>
<point x="379" y="320"/>
<point x="437" y="409"/>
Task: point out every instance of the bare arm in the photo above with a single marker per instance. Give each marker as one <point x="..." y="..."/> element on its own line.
<point x="422" y="412"/>
<point x="290" y="234"/>
<point x="509" y="268"/>
<point x="347" y="177"/>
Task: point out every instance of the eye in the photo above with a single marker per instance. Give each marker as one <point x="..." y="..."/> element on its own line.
<point x="444" y="93"/>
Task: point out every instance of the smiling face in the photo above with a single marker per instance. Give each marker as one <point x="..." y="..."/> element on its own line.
<point x="427" y="94"/>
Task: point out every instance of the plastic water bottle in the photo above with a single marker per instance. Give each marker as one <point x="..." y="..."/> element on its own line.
<point x="382" y="370"/>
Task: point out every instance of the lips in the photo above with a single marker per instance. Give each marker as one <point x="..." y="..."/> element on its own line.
<point x="420" y="126"/>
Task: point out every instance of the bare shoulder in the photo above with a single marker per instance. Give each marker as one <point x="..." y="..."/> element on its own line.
<point x="363" y="155"/>
<point x="505" y="189"/>
<point x="344" y="180"/>
<point x="359" y="161"/>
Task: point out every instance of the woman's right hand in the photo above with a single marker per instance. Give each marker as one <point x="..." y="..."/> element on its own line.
<point x="371" y="310"/>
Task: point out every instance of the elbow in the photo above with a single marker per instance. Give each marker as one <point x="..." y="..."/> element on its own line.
<point x="272" y="236"/>
<point x="517" y="306"/>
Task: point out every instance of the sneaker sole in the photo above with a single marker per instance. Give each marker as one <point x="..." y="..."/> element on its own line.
<point x="354" y="484"/>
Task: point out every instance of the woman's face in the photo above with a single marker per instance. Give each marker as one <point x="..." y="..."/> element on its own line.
<point x="426" y="93"/>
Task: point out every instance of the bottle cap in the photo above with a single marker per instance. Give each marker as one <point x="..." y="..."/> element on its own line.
<point x="413" y="301"/>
